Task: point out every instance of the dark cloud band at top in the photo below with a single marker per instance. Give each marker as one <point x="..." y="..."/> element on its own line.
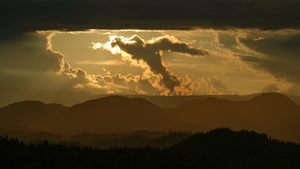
<point x="30" y="15"/>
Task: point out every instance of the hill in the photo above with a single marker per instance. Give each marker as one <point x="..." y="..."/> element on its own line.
<point x="219" y="149"/>
<point x="70" y="97"/>
<point x="30" y="114"/>
<point x="112" y="114"/>
<point x="271" y="113"/>
<point x="224" y="148"/>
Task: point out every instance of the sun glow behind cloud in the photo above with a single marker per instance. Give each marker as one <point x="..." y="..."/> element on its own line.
<point x="170" y="62"/>
<point x="114" y="49"/>
<point x="103" y="63"/>
<point x="148" y="55"/>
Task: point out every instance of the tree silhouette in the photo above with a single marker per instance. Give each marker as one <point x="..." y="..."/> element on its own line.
<point x="219" y="149"/>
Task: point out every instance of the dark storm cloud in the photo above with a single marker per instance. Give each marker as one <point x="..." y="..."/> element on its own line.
<point x="30" y="15"/>
<point x="281" y="55"/>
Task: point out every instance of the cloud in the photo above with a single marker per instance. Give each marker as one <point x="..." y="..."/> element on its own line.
<point x="78" y="78"/>
<point x="102" y="63"/>
<point x="172" y="44"/>
<point x="140" y="52"/>
<point x="218" y="84"/>
<point x="219" y="87"/>
<point x="270" y="88"/>
<point x="25" y="62"/>
<point x="293" y="90"/>
<point x="126" y="84"/>
<point x="28" y="54"/>
<point x="279" y="54"/>
<point x="268" y="53"/>
<point x="147" y="55"/>
<point x="203" y="86"/>
<point x="30" y="15"/>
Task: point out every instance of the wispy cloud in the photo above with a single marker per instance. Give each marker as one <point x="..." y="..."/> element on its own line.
<point x="102" y="63"/>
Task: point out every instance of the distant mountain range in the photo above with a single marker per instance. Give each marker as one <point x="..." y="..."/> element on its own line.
<point x="70" y="97"/>
<point x="271" y="113"/>
<point x="141" y="138"/>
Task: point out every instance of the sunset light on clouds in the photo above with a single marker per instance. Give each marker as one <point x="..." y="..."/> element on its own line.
<point x="169" y="62"/>
<point x="150" y="84"/>
<point x="201" y="48"/>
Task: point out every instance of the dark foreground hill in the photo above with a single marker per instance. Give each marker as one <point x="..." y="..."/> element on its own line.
<point x="218" y="149"/>
<point x="271" y="113"/>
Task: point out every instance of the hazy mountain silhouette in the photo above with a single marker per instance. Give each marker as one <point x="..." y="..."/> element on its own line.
<point x="141" y="138"/>
<point x="31" y="114"/>
<point x="272" y="113"/>
<point x="68" y="97"/>
<point x="213" y="112"/>
<point x="158" y="139"/>
<point x="296" y="99"/>
<point x="113" y="114"/>
<point x="29" y="135"/>
<point x="174" y="101"/>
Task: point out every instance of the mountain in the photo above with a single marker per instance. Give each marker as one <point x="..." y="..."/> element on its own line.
<point x="29" y="135"/>
<point x="219" y="149"/>
<point x="68" y="97"/>
<point x="112" y="114"/>
<point x="224" y="148"/>
<point x="271" y="113"/>
<point x="158" y="139"/>
<point x="174" y="101"/>
<point x="213" y="112"/>
<point x="296" y="99"/>
<point x="63" y="96"/>
<point x="30" y="114"/>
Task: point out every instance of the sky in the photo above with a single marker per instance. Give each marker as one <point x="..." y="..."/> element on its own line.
<point x="153" y="47"/>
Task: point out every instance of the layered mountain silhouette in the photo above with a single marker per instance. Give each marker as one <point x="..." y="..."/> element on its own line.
<point x="221" y="148"/>
<point x="31" y="114"/>
<point x="70" y="97"/>
<point x="113" y="114"/>
<point x="271" y="113"/>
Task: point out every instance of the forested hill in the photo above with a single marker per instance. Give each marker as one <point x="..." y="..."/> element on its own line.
<point x="218" y="149"/>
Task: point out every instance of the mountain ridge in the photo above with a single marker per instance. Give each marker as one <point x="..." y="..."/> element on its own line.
<point x="220" y="148"/>
<point x="272" y="113"/>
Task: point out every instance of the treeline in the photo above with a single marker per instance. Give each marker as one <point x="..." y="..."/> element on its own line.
<point x="140" y="138"/>
<point x="218" y="149"/>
